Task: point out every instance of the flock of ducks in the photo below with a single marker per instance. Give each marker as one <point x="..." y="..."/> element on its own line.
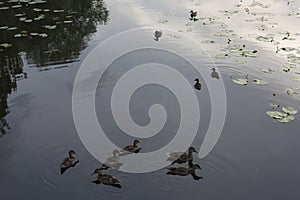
<point x="114" y="162"/>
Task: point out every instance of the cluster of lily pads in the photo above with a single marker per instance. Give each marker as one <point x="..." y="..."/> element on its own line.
<point x="282" y="114"/>
<point x="21" y="8"/>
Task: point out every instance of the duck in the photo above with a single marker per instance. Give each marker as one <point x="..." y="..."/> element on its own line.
<point x="214" y="74"/>
<point x="183" y="171"/>
<point x="131" y="148"/>
<point x="113" y="161"/>
<point x="157" y="35"/>
<point x="106" y="179"/>
<point x="68" y="162"/>
<point x="193" y="14"/>
<point x="186" y="157"/>
<point x="197" y="85"/>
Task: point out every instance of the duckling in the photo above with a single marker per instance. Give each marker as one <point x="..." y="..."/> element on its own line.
<point x="193" y="14"/>
<point x="186" y="157"/>
<point x="71" y="161"/>
<point x="131" y="148"/>
<point x="106" y="179"/>
<point x="183" y="171"/>
<point x="197" y="85"/>
<point x="214" y="74"/>
<point x="113" y="161"/>
<point x="157" y="35"/>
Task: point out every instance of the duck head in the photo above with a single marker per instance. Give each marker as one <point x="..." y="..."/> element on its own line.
<point x="192" y="150"/>
<point x="72" y="154"/>
<point x="136" y="142"/>
<point x="197" y="80"/>
<point x="116" y="153"/>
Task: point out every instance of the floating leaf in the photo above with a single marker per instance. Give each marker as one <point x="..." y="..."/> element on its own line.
<point x="276" y="114"/>
<point x="287" y="119"/>
<point x="12" y="28"/>
<point x="222" y="56"/>
<point x="241" y="81"/>
<point x="3" y="27"/>
<point x="68" y="21"/>
<point x="274" y="105"/>
<point x="28" y="20"/>
<point x="6" y="45"/>
<point x="207" y="42"/>
<point x="18" y="35"/>
<point x="259" y="82"/>
<point x="289" y="110"/>
<point x="268" y="70"/>
<point x="43" y="35"/>
<point x="16" y="6"/>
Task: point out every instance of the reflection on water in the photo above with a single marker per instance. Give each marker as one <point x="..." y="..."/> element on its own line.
<point x="43" y="33"/>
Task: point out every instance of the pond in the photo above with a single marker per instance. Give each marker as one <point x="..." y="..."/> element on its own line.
<point x="93" y="76"/>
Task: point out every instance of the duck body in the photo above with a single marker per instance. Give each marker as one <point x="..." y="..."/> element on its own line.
<point x="157" y="35"/>
<point x="193" y="14"/>
<point x="172" y="156"/>
<point x="131" y="148"/>
<point x="197" y="85"/>
<point x="71" y="161"/>
<point x="106" y="179"/>
<point x="185" y="157"/>
<point x="183" y="171"/>
<point x="214" y="74"/>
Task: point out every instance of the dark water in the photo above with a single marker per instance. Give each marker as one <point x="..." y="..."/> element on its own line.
<point x="255" y="157"/>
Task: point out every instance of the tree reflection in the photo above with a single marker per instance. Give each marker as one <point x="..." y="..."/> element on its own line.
<point x="48" y="33"/>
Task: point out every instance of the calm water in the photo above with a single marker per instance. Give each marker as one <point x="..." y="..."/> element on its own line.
<point x="255" y="157"/>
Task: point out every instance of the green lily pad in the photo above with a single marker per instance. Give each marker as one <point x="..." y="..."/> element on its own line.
<point x="207" y="42"/>
<point x="17" y="6"/>
<point x="241" y="81"/>
<point x="43" y="35"/>
<point x="12" y="28"/>
<point x="34" y="34"/>
<point x="268" y="70"/>
<point x="28" y="20"/>
<point x="276" y="114"/>
<point x="68" y="21"/>
<point x="273" y="105"/>
<point x="6" y="45"/>
<point x="289" y="110"/>
<point x="287" y="119"/>
<point x="18" y="35"/>
<point x="50" y="27"/>
<point x="223" y="56"/>
<point x="3" y="27"/>
<point x="58" y="11"/>
<point x="259" y="82"/>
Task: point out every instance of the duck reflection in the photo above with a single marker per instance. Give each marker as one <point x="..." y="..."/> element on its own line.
<point x="106" y="179"/>
<point x="214" y="74"/>
<point x="183" y="171"/>
<point x="157" y="35"/>
<point x="112" y="162"/>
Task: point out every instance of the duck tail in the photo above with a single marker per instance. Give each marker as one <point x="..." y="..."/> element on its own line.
<point x="62" y="170"/>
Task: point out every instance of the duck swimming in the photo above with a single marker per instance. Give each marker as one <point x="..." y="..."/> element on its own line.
<point x="106" y="179"/>
<point x="193" y="14"/>
<point x="197" y="85"/>
<point x="113" y="161"/>
<point x="186" y="157"/>
<point x="214" y="74"/>
<point x="182" y="171"/>
<point x="71" y="161"/>
<point x="131" y="148"/>
<point x="157" y="35"/>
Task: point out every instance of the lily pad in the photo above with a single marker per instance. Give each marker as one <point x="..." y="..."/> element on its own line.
<point x="289" y="110"/>
<point x="241" y="81"/>
<point x="268" y="70"/>
<point x="6" y="45"/>
<point x="276" y="114"/>
<point x="223" y="56"/>
<point x="287" y="119"/>
<point x="259" y="82"/>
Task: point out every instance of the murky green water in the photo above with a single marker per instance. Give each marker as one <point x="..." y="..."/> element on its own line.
<point x="254" y="44"/>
